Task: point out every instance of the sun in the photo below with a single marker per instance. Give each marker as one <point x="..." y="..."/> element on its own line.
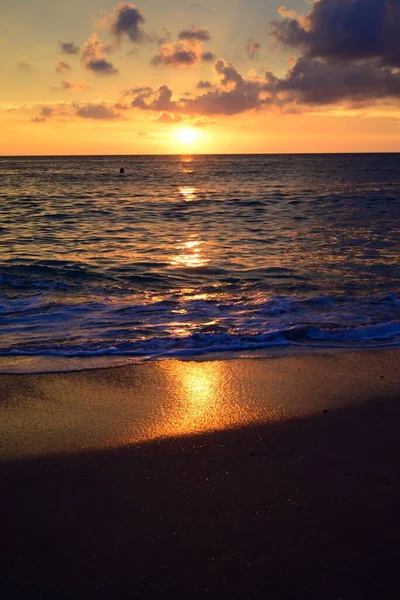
<point x="187" y="135"/>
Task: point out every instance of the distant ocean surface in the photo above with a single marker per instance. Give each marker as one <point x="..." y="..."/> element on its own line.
<point x="183" y="256"/>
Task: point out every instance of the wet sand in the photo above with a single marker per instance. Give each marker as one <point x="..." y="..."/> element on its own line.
<point x="223" y="479"/>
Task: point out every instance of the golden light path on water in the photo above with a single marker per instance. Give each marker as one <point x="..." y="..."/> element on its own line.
<point x="190" y="255"/>
<point x="188" y="193"/>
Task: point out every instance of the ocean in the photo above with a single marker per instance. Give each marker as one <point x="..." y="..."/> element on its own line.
<point x="194" y="256"/>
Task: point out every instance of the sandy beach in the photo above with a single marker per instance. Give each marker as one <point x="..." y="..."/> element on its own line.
<point x="263" y="478"/>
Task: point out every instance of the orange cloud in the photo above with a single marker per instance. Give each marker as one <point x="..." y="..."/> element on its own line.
<point x="92" y="57"/>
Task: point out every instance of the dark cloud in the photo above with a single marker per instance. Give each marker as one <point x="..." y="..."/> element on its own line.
<point x="344" y="30"/>
<point x="234" y="94"/>
<point x="25" y="67"/>
<point x="316" y="82"/>
<point x="68" y="48"/>
<point x="350" y="51"/>
<point x="138" y="91"/>
<point x="121" y="106"/>
<point x="207" y="56"/>
<point x="62" y="67"/>
<point x="101" y="66"/>
<point x="175" y="55"/>
<point x="98" y="112"/>
<point x="160" y="101"/>
<point x="226" y="102"/>
<point x="310" y="82"/>
<point x="253" y="50"/>
<point x="204" y="85"/>
<point x="228" y="73"/>
<point x="125" y="20"/>
<point x="46" y="112"/>
<point x="199" y="34"/>
<point x="92" y="57"/>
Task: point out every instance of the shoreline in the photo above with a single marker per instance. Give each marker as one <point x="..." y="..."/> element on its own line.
<point x="75" y="411"/>
<point x="300" y="505"/>
<point x="52" y="364"/>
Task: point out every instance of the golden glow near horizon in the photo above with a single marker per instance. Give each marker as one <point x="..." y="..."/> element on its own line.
<point x="104" y="78"/>
<point x="192" y="139"/>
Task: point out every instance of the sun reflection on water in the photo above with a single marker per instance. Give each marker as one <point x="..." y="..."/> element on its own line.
<point x="188" y="193"/>
<point x="190" y="255"/>
<point x="185" y="165"/>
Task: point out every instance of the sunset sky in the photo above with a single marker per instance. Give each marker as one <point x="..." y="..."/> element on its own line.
<point x="221" y="76"/>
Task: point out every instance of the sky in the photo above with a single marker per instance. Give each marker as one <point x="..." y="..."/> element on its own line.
<point x="183" y="77"/>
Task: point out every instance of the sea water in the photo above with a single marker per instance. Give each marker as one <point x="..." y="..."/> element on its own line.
<point x="183" y="256"/>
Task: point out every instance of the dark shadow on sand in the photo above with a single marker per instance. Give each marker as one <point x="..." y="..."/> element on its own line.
<point x="305" y="509"/>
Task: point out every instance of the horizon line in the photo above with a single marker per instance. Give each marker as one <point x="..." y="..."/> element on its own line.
<point x="201" y="154"/>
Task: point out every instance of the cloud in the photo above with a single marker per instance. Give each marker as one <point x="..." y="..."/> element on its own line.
<point x="92" y="57"/>
<point x="46" y="112"/>
<point x="138" y="91"/>
<point x="126" y="20"/>
<point x="316" y="82"/>
<point x="201" y="7"/>
<point x="187" y="51"/>
<point x="228" y="73"/>
<point x="175" y="55"/>
<point x="74" y="85"/>
<point x="98" y="112"/>
<point x="199" y="34"/>
<point x="25" y="67"/>
<point x="62" y="67"/>
<point x="101" y="66"/>
<point x="121" y="106"/>
<point x="253" y="50"/>
<point x="350" y="51"/>
<point x="309" y="82"/>
<point x="345" y="30"/>
<point x="68" y="48"/>
<point x="204" y="85"/>
<point x="233" y="94"/>
<point x="161" y="100"/>
<point x="169" y="118"/>
<point x="207" y="56"/>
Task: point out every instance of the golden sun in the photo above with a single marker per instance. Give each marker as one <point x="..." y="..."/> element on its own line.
<point x="187" y="135"/>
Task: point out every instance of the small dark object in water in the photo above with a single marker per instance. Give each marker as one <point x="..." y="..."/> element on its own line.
<point x="325" y="410"/>
<point x="122" y="170"/>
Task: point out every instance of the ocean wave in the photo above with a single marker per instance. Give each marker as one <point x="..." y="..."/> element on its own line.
<point x="183" y="256"/>
<point x="39" y="326"/>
